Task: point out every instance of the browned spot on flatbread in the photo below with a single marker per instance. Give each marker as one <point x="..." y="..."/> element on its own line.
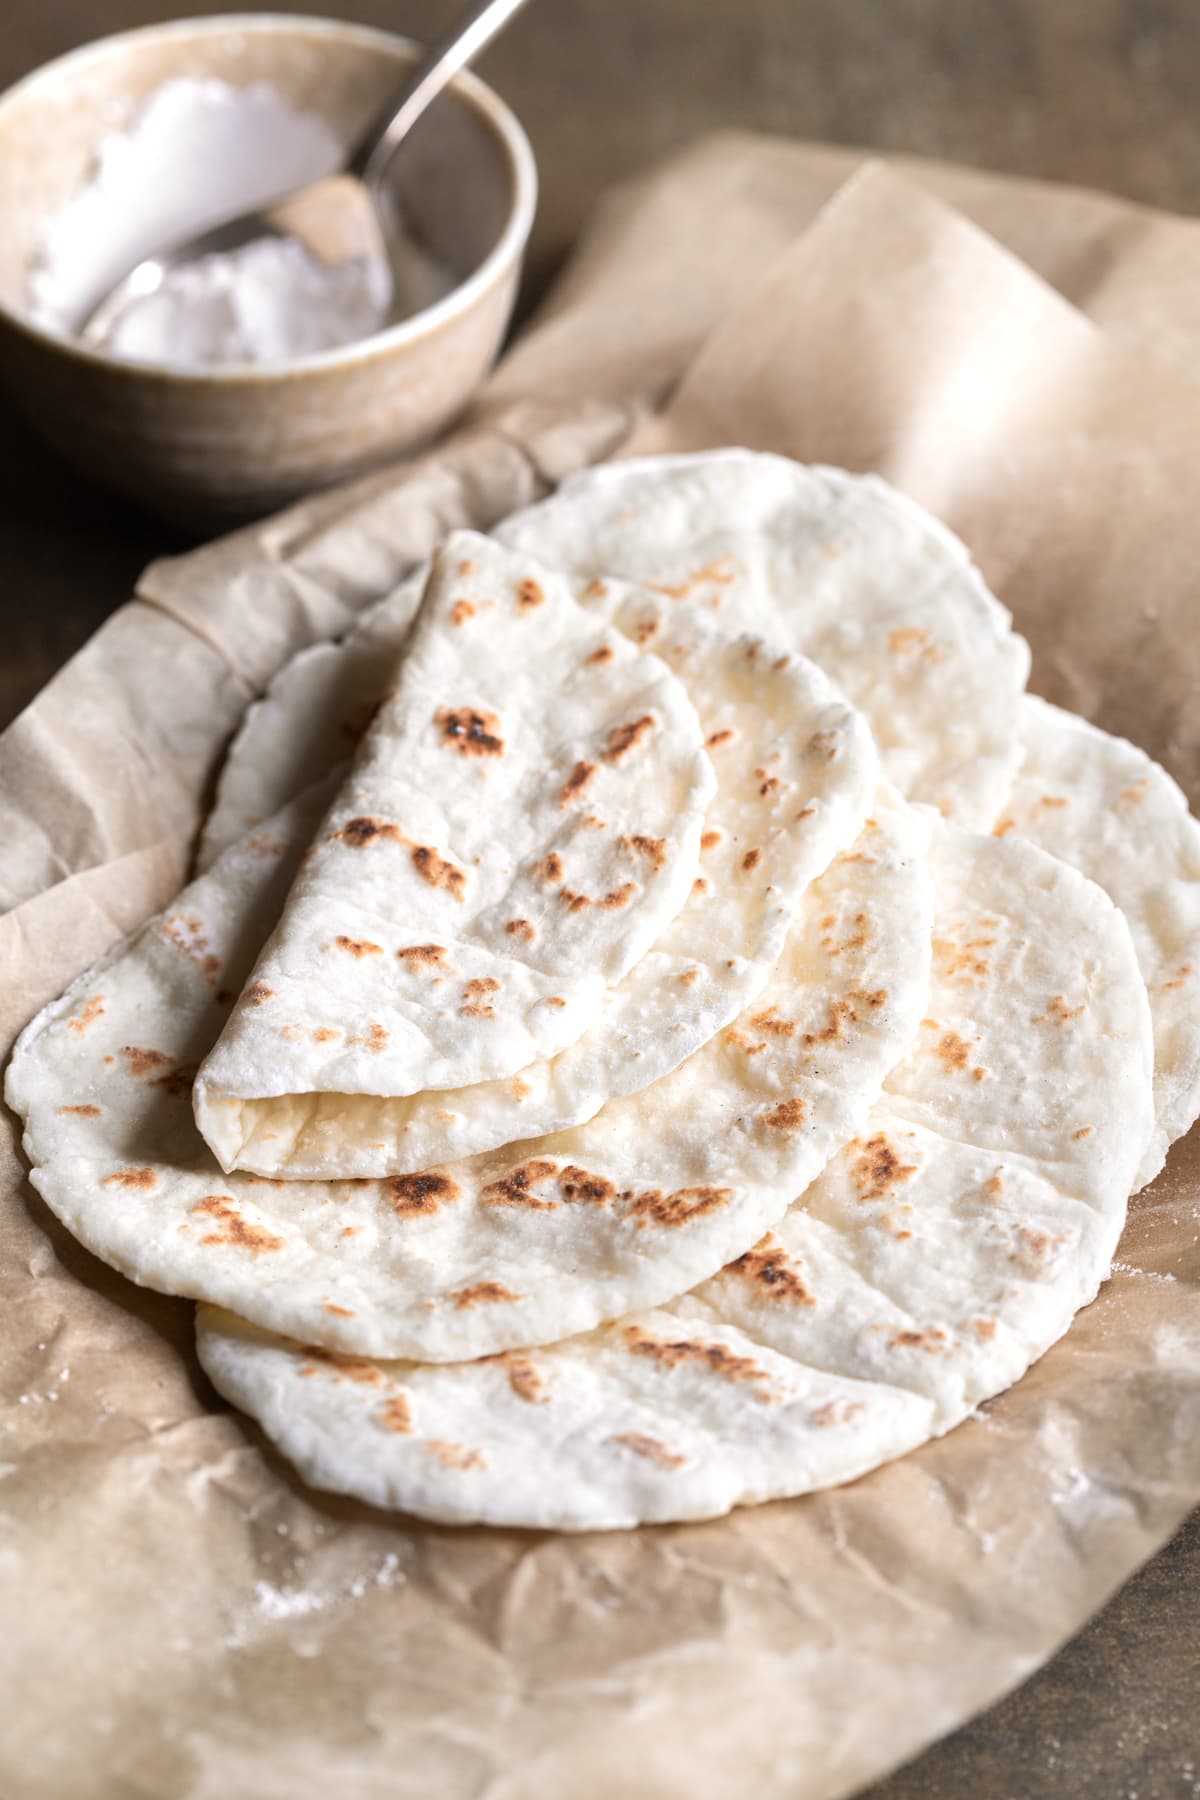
<point x="907" y="640"/>
<point x="176" y="1081"/>
<point x="454" y="1456"/>
<point x="232" y="1228"/>
<point x="963" y="961"/>
<point x="993" y="1187"/>
<point x="720" y="572"/>
<point x="770" y="1268"/>
<point x="717" y="738"/>
<point x="984" y="1328"/>
<point x="345" y="1368"/>
<point x="339" y="1312"/>
<point x="1178" y="979"/>
<point x="437" y="871"/>
<point x="375" y="1040"/>
<point x="432" y="955"/>
<point x="482" y="1293"/>
<point x="258" y="993"/>
<point x="395" y="1415"/>
<point x="470" y="730"/>
<point x="413" y="1196"/>
<point x="933" y="1338"/>
<point x="522" y="928"/>
<point x="475" y="1004"/>
<point x="575" y="901"/>
<point x="770" y="1022"/>
<point x="144" y="1062"/>
<point x="737" y="1039"/>
<point x="576" y="1184"/>
<point x="624" y="738"/>
<point x="1003" y="827"/>
<point x="595" y="589"/>
<point x="325" y="1034"/>
<point x="550" y="869"/>
<point x="553" y="1000"/>
<point x="358" y="833"/>
<point x="1084" y="1131"/>
<point x="952" y="1051"/>
<point x="674" y="1353"/>
<point x="188" y="934"/>
<point x="1134" y="796"/>
<point x="646" y="629"/>
<point x="846" y="1012"/>
<point x="1053" y="801"/>
<point x="650" y="1449"/>
<point x="1034" y="1247"/>
<point x="688" y="976"/>
<point x="709" y="840"/>
<point x="837" y="1412"/>
<point x="700" y="885"/>
<point x="524" y="1377"/>
<point x="680" y="1208"/>
<point x="826" y="744"/>
<point x="81" y="1112"/>
<point x="466" y="569"/>
<point x="857" y="936"/>
<point x="516" y="1188"/>
<point x="1058" y="1012"/>
<point x="131" y="1178"/>
<point x="576" y="783"/>
<point x="461" y="611"/>
<point x="806" y="812"/>
<point x="877" y="1170"/>
<point x="604" y="654"/>
<point x="751" y="860"/>
<point x="358" y="947"/>
<point x="654" y="849"/>
<point x="529" y="594"/>
<point x="92" y="1010"/>
<point x="787" y="1116"/>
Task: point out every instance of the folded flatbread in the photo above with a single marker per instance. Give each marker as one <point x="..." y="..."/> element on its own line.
<point x="521" y="822"/>
<point x="796" y="770"/>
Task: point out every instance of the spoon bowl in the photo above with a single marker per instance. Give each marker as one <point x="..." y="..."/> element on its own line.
<point x="343" y="218"/>
<point x="207" y="446"/>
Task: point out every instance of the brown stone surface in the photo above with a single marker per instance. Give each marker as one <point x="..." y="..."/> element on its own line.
<point x="1098" y="92"/>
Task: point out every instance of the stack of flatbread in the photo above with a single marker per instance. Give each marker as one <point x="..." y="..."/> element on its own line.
<point x="663" y="1020"/>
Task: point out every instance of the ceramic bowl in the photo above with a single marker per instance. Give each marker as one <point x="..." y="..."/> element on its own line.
<point x="211" y="445"/>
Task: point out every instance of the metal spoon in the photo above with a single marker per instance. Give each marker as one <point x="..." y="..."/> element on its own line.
<point x="341" y="217"/>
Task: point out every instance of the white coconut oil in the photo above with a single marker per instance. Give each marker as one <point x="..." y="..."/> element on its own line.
<point x="197" y="152"/>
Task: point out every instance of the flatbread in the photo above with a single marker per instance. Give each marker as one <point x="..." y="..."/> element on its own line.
<point x="313" y="716"/>
<point x="1106" y="808"/>
<point x="522" y="821"/>
<point x="796" y="771"/>
<point x="944" y="1249"/>
<point x="841" y="567"/>
<point x="522" y="1246"/>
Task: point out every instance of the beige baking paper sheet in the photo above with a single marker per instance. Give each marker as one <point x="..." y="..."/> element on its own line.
<point x="181" y="1617"/>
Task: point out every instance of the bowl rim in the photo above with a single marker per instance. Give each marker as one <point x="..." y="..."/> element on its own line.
<point x="506" y="251"/>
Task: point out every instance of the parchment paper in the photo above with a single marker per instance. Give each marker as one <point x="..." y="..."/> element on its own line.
<point x="181" y="1617"/>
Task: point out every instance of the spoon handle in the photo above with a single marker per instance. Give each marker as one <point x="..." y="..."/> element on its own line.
<point x="460" y="46"/>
